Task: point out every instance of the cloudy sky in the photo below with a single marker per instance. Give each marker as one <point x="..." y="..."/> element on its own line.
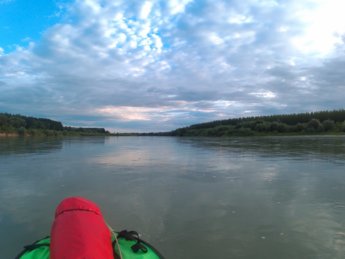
<point x="158" y="65"/>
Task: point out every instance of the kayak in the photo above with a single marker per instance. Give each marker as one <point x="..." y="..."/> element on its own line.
<point x="41" y="250"/>
<point x="79" y="231"/>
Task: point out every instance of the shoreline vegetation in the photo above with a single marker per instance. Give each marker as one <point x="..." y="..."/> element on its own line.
<point x="314" y="123"/>
<point x="23" y="126"/>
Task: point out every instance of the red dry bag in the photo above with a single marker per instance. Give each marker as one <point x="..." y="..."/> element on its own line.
<point x="79" y="231"/>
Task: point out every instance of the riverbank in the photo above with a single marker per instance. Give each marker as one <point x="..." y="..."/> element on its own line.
<point x="8" y="135"/>
<point x="51" y="133"/>
<point x="23" y="126"/>
<point x="317" y="123"/>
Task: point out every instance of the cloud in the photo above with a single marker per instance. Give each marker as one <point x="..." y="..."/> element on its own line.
<point x="145" y="10"/>
<point x="159" y="65"/>
<point x="264" y="94"/>
<point x="324" y="27"/>
<point x="178" y="6"/>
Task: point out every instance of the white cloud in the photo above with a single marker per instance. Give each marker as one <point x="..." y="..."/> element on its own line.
<point x="264" y="94"/>
<point x="215" y="39"/>
<point x="157" y="42"/>
<point x="178" y="6"/>
<point x="324" y="26"/>
<point x="145" y="10"/>
<point x="239" y="19"/>
<point x="91" y="7"/>
<point x="128" y="113"/>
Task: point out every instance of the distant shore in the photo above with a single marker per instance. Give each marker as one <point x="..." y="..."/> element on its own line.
<point x="15" y="125"/>
<point x="301" y="124"/>
<point x="7" y="135"/>
<point x="50" y="134"/>
<point x="315" y="123"/>
<point x="80" y="134"/>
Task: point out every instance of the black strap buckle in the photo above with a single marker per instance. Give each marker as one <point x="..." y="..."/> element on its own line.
<point x="133" y="236"/>
<point x="128" y="235"/>
<point x="139" y="247"/>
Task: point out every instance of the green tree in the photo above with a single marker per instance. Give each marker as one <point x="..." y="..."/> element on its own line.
<point x="314" y="125"/>
<point x="328" y="125"/>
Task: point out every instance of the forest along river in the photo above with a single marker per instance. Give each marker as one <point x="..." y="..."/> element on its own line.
<point x="267" y="197"/>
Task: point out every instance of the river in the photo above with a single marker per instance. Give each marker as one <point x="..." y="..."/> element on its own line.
<point x="263" y="197"/>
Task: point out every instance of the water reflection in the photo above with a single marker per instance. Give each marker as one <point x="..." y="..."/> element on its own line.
<point x="297" y="147"/>
<point x="216" y="198"/>
<point x="21" y="145"/>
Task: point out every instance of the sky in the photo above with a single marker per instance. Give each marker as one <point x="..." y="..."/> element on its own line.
<point x="157" y="65"/>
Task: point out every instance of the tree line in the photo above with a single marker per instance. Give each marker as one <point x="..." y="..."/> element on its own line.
<point x="25" y="125"/>
<point x="303" y="123"/>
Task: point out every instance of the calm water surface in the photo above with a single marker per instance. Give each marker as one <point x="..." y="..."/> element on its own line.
<point x="270" y="198"/>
